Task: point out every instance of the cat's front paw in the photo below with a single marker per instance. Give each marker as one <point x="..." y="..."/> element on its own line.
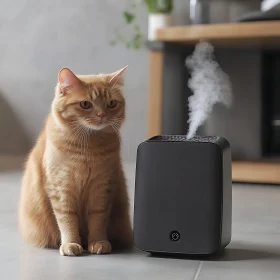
<point x="100" y="247"/>
<point x="70" y="249"/>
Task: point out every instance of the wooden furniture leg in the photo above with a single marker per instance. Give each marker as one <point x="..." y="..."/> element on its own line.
<point x="155" y="93"/>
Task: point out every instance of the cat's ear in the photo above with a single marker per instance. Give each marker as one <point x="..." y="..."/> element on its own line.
<point x="117" y="77"/>
<point x="67" y="80"/>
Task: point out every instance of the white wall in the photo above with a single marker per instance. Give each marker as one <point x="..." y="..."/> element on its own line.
<point x="37" y="38"/>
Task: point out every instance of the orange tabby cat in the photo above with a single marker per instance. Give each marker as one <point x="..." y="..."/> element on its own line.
<point x="74" y="191"/>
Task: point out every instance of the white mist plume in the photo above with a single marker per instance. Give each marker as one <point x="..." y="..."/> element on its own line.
<point x="209" y="84"/>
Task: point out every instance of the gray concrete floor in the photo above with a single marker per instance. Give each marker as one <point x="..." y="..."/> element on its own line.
<point x="253" y="254"/>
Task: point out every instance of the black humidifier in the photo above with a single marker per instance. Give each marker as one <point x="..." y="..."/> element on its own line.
<point x="183" y="195"/>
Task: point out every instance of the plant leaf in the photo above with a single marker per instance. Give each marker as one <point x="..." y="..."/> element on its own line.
<point x="137" y="28"/>
<point x="129" y="17"/>
<point x="159" y="6"/>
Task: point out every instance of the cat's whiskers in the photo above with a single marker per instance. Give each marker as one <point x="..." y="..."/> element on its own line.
<point x="87" y="137"/>
<point x="85" y="142"/>
<point x="117" y="130"/>
<point x="70" y="140"/>
<point x="116" y="133"/>
<point x="118" y="120"/>
<point x="117" y="124"/>
<point x="76" y="137"/>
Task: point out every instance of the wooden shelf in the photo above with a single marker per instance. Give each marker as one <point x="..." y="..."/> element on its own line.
<point x="265" y="34"/>
<point x="250" y="34"/>
<point x="267" y="172"/>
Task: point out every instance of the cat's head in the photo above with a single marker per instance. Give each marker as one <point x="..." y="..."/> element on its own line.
<point x="94" y="102"/>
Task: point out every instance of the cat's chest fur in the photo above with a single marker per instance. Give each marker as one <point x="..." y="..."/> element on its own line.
<point x="79" y="166"/>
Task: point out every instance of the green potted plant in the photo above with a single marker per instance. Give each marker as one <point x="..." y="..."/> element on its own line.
<point x="159" y="17"/>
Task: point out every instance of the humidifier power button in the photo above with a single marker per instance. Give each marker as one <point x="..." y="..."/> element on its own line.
<point x="174" y="235"/>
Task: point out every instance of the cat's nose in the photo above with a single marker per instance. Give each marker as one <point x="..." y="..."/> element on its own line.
<point x="101" y="114"/>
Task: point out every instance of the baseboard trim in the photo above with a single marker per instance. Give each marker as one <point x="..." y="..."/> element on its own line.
<point x="267" y="172"/>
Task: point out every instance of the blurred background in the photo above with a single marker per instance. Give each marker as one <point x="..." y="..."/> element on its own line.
<point x="153" y="37"/>
<point x="38" y="38"/>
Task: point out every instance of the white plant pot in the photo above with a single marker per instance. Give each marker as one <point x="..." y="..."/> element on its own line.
<point x="267" y="5"/>
<point x="157" y="21"/>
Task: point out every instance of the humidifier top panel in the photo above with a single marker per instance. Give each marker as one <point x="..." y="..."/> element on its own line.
<point x="183" y="138"/>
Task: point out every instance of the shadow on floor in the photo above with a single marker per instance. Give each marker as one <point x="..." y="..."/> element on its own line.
<point x="234" y="254"/>
<point x="230" y="254"/>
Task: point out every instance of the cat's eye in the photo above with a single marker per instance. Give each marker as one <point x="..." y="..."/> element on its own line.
<point x="112" y="104"/>
<point x="85" y="105"/>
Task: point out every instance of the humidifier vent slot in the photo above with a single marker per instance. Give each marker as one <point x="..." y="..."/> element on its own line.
<point x="182" y="138"/>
